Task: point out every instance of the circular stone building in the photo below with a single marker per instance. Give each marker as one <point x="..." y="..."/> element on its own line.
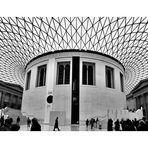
<point x="73" y="85"/>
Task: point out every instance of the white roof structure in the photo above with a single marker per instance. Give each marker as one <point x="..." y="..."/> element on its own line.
<point x="22" y="39"/>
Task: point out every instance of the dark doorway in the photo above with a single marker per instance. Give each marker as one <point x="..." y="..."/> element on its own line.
<point x="75" y="91"/>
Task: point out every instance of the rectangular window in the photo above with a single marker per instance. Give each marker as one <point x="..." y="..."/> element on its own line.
<point x="28" y="80"/>
<point x="41" y="76"/>
<point x="109" y="77"/>
<point x="63" y="73"/>
<point x="121" y="82"/>
<point x="88" y="77"/>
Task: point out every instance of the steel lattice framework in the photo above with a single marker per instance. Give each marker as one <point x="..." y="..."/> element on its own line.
<point x="125" y="39"/>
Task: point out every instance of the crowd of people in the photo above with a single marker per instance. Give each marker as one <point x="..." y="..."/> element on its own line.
<point x="9" y="125"/>
<point x="128" y="125"/>
<point x="32" y="125"/>
<point x="122" y="125"/>
<point x="119" y="125"/>
<point x="93" y="123"/>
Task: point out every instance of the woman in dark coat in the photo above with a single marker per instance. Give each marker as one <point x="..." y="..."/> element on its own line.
<point x="35" y="125"/>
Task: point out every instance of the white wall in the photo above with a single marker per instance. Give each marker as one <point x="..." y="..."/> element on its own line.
<point x="62" y="93"/>
<point x="96" y="100"/>
<point x="33" y="102"/>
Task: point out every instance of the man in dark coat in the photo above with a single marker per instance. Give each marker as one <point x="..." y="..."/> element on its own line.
<point x="110" y="125"/>
<point x="18" y="120"/>
<point x="87" y="122"/>
<point x="28" y="122"/>
<point x="117" y="125"/>
<point x="56" y="125"/>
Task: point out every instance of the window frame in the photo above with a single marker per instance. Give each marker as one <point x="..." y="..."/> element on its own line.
<point x="112" y="77"/>
<point x="64" y="64"/>
<point x="27" y="86"/>
<point x="93" y="65"/>
<point x="38" y="75"/>
<point x="121" y="82"/>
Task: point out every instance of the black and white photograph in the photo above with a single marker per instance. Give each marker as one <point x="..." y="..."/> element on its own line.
<point x="74" y="73"/>
<point x="82" y="74"/>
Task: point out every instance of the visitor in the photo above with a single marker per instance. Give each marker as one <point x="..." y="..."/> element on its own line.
<point x="129" y="125"/>
<point x="110" y="125"/>
<point x="18" y="120"/>
<point x="56" y="125"/>
<point x="2" y="120"/>
<point x="35" y="125"/>
<point x="142" y="126"/>
<point x="92" y="123"/>
<point x="100" y="125"/>
<point x="87" y="123"/>
<point x="135" y="123"/>
<point x="7" y="125"/>
<point x="97" y="120"/>
<point x="28" y="123"/>
<point x="146" y="124"/>
<point x="117" y="125"/>
<point x="15" y="127"/>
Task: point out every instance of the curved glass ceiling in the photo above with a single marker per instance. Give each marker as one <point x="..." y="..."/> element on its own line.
<point x="125" y="39"/>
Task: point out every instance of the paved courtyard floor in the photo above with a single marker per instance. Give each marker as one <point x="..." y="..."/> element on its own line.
<point x="45" y="127"/>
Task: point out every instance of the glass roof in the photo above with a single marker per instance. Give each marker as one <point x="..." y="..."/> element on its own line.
<point x="125" y="39"/>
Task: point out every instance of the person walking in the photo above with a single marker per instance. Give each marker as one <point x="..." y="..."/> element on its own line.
<point x="97" y="120"/>
<point x="87" y="123"/>
<point x="56" y="125"/>
<point x="18" y="120"/>
<point x="28" y="123"/>
<point x="92" y="123"/>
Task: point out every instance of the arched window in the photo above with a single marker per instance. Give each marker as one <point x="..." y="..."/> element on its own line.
<point x="121" y="82"/>
<point x="41" y="76"/>
<point x="109" y="77"/>
<point x="63" y="73"/>
<point x="88" y="73"/>
<point x="28" y="80"/>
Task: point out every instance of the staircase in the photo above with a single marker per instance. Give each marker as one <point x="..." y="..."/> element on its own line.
<point x="14" y="113"/>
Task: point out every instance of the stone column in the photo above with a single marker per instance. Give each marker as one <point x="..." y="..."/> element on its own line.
<point x="146" y="113"/>
<point x="49" y="88"/>
<point x="17" y="102"/>
<point x="9" y="100"/>
<point x="1" y="93"/>
<point x="139" y="101"/>
<point x="3" y="98"/>
<point x="136" y="98"/>
<point x="144" y="104"/>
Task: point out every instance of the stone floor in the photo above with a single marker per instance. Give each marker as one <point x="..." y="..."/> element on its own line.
<point x="45" y="127"/>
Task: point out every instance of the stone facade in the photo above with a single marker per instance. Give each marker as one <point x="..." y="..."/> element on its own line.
<point x="138" y="97"/>
<point x="10" y="95"/>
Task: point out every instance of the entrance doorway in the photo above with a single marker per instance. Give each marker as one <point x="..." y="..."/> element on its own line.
<point x="75" y="91"/>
